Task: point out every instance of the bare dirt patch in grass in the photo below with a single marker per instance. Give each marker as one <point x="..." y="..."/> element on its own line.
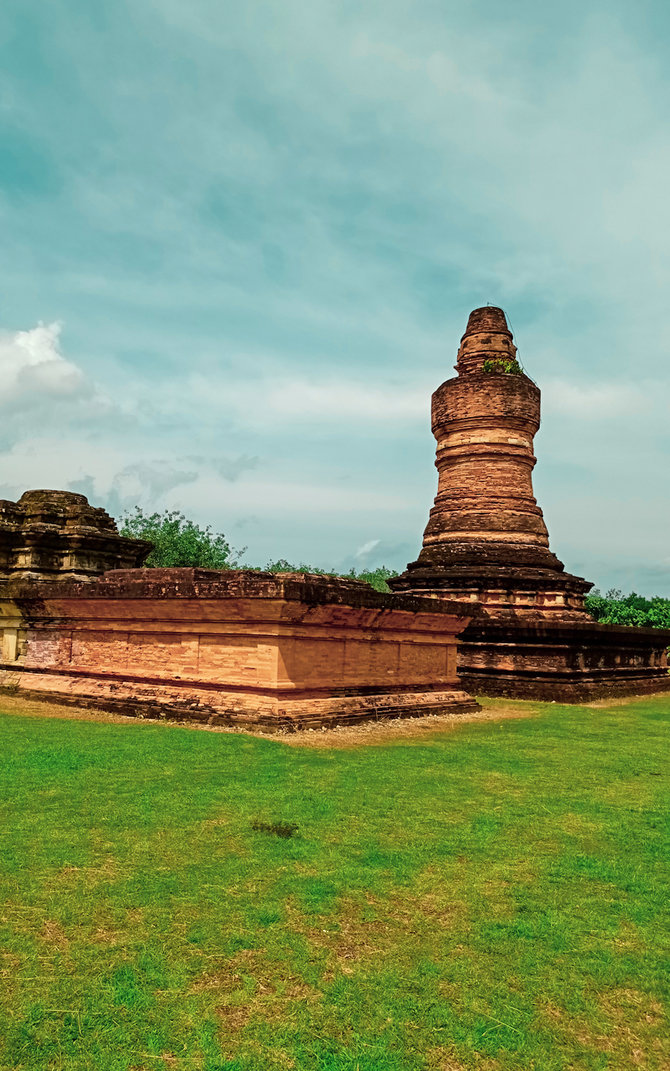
<point x="233" y="1017"/>
<point x="43" y="708"/>
<point x="629" y="1030"/>
<point x="53" y="934"/>
<point x="443" y="1059"/>
<point x="102" y="936"/>
<point x="383" y="732"/>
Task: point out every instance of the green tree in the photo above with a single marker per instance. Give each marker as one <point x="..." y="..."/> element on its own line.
<point x="376" y="578"/>
<point x="615" y="608"/>
<point x="178" y="541"/>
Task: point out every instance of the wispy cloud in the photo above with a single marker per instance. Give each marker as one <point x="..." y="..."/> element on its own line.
<point x="599" y="401"/>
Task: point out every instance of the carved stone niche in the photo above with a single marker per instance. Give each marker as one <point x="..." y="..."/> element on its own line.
<point x="58" y="535"/>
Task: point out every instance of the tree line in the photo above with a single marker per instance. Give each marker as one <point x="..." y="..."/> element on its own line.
<point x="615" y="608"/>
<point x="179" y="542"/>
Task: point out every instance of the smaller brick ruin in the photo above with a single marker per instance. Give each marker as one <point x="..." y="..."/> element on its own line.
<point x="233" y="647"/>
<point x="58" y="534"/>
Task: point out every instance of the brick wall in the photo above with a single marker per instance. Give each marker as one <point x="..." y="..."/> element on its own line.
<point x="237" y="646"/>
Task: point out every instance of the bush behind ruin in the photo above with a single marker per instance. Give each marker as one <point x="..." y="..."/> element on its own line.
<point x="181" y="543"/>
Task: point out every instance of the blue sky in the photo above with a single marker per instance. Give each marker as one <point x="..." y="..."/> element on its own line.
<point x="240" y="243"/>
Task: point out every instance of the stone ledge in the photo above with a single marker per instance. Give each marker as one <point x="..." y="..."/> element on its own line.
<point x="270" y="714"/>
<point x="309" y="588"/>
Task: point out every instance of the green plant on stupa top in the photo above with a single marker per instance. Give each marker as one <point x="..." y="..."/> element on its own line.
<point x="501" y="366"/>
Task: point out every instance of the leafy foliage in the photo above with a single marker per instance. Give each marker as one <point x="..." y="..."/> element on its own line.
<point x="499" y="366"/>
<point x="376" y="578"/>
<point x="178" y="541"/>
<point x="615" y="608"/>
<point x="181" y="542"/>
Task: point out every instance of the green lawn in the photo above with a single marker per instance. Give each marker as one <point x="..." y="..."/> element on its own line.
<point x="493" y="897"/>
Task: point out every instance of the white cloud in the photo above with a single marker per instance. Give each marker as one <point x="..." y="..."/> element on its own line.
<point x="337" y="401"/>
<point x="266" y="400"/>
<point x="365" y="175"/>
<point x="32" y="364"/>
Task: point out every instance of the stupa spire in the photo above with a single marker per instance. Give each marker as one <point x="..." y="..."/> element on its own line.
<point x="487" y="338"/>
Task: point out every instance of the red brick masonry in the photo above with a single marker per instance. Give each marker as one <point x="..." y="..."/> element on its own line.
<point x="486" y="540"/>
<point x="568" y="661"/>
<point x="233" y="647"/>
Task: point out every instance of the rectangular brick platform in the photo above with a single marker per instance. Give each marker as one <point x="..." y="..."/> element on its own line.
<point x="233" y="647"/>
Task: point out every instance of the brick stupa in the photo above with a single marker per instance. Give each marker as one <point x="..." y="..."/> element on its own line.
<point x="486" y="545"/>
<point x="486" y="540"/>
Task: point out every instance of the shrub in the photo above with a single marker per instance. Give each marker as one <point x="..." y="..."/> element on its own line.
<point x="615" y="608"/>
<point x="376" y="578"/>
<point x="501" y="366"/>
<point x="178" y="541"/>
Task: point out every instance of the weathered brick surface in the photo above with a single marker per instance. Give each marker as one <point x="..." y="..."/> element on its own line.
<point x="57" y="533"/>
<point x="567" y="661"/>
<point x="283" y="650"/>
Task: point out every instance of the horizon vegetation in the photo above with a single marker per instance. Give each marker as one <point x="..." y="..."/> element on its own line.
<point x="180" y="542"/>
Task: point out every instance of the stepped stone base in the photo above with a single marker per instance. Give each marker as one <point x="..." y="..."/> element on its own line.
<point x="190" y="703"/>
<point x="236" y="647"/>
<point x="527" y="593"/>
<point x="570" y="661"/>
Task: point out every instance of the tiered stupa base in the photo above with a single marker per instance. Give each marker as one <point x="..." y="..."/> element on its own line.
<point x="561" y="660"/>
<point x="531" y="638"/>
<point x="534" y="594"/>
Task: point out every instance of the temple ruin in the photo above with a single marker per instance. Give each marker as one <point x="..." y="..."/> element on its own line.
<point x="486" y="544"/>
<point x="234" y="647"/>
<point x="487" y="608"/>
<point x="80" y="622"/>
<point x="486" y="540"/>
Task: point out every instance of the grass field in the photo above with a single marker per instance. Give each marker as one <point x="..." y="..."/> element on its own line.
<point x="490" y="897"/>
